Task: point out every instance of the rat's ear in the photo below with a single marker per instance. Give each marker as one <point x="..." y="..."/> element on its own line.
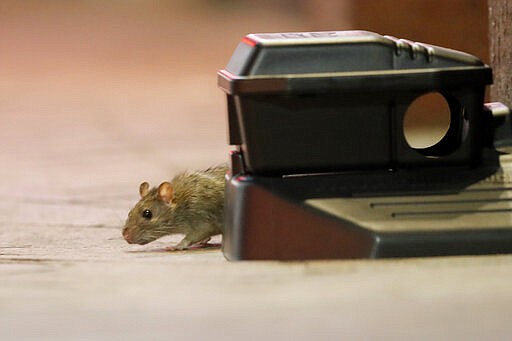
<point x="143" y="189"/>
<point x="165" y="192"/>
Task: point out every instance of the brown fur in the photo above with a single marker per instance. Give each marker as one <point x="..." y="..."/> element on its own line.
<point x="191" y="204"/>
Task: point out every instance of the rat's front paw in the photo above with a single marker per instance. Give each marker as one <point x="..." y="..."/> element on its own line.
<point x="175" y="248"/>
<point x="183" y="245"/>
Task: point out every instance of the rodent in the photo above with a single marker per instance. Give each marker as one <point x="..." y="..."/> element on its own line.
<point x="191" y="204"/>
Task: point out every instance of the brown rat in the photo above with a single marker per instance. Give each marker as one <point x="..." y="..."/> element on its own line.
<point x="191" y="204"/>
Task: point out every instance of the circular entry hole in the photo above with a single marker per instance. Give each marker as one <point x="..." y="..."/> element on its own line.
<point x="426" y="122"/>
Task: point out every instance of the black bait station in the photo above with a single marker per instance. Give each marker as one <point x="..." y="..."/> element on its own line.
<point x="322" y="167"/>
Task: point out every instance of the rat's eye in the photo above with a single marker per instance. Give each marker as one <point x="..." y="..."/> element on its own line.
<point x="147" y="214"/>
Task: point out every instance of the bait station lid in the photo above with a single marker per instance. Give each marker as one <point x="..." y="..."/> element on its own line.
<point x="331" y="101"/>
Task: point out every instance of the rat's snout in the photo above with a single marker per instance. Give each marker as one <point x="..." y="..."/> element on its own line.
<point x="133" y="235"/>
<point x="127" y="235"/>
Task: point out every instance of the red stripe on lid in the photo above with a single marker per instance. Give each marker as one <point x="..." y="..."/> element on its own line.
<point x="248" y="41"/>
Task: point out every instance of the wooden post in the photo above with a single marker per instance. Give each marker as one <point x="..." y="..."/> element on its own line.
<point x="500" y="37"/>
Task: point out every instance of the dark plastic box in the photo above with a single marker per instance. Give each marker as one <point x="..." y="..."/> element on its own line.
<point x="335" y="101"/>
